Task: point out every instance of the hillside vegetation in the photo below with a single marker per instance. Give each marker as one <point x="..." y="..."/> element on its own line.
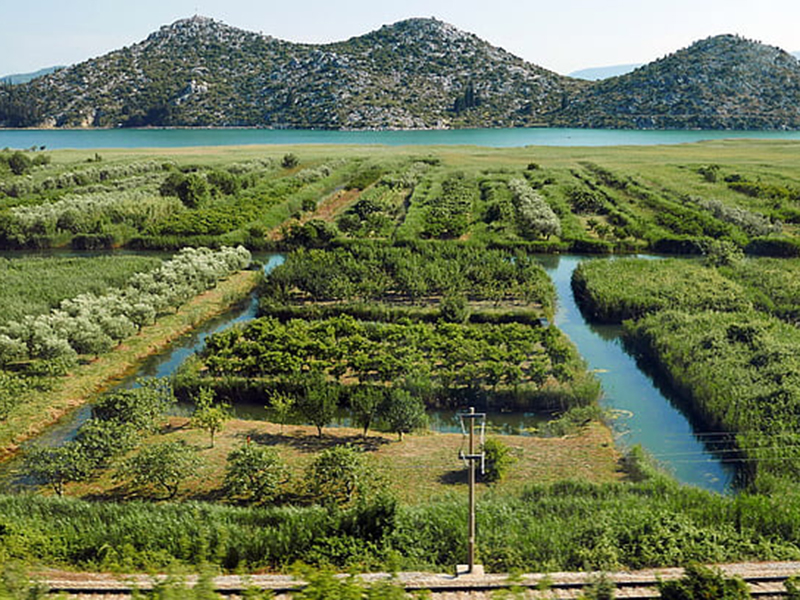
<point x="722" y="82"/>
<point x="417" y="73"/>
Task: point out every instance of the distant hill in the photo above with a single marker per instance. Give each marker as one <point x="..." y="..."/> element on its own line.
<point x="419" y="73"/>
<point x="18" y="78"/>
<point x="598" y="73"/>
<point x="722" y="82"/>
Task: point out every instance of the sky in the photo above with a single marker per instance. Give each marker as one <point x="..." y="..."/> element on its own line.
<point x="561" y="35"/>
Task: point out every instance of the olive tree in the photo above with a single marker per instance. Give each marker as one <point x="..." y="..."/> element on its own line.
<point x="402" y="412"/>
<point x="163" y="466"/>
<point x="209" y="416"/>
<point x="56" y="466"/>
<point x="254" y="473"/>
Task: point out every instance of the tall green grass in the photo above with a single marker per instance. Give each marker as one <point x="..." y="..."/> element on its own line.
<point x="563" y="526"/>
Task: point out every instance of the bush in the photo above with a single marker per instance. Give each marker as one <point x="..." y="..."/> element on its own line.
<point x="340" y="475"/>
<point x="254" y="473"/>
<point x="290" y="161"/>
<point x="19" y="163"/>
<point x="774" y="246"/>
<point x="703" y="582"/>
<point x="453" y="308"/>
<point x="599" y="588"/>
<point x="497" y="461"/>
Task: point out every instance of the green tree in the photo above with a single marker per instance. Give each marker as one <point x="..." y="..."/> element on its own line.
<point x="190" y="188"/>
<point x="209" y="416"/>
<point x="365" y="402"/>
<point x="453" y="307"/>
<point x="339" y="475"/>
<point x="19" y="163"/>
<point x="402" y="413"/>
<point x="498" y="459"/>
<point x="144" y="407"/>
<point x="56" y="466"/>
<point x="309" y="205"/>
<point x="281" y="406"/>
<point x="103" y="440"/>
<point x="254" y="473"/>
<point x="171" y="185"/>
<point x="319" y="400"/>
<point x="163" y="466"/>
<point x="193" y="190"/>
<point x="290" y="161"/>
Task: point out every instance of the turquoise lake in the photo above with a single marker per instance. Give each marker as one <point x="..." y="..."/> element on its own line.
<point x="495" y="138"/>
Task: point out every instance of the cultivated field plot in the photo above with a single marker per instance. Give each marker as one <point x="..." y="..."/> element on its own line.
<point x="663" y="199"/>
<point x="409" y="284"/>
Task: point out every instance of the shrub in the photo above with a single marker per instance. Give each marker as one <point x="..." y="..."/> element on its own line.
<point x="497" y="460"/>
<point x="290" y="161"/>
<point x="703" y="582"/>
<point x="453" y="307"/>
<point x="340" y="475"/>
<point x="599" y="588"/>
<point x="254" y="473"/>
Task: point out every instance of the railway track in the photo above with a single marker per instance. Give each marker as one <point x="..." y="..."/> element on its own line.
<point x="765" y="580"/>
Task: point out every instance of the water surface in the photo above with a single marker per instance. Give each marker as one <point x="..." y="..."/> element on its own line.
<point x="644" y="413"/>
<point x="496" y="138"/>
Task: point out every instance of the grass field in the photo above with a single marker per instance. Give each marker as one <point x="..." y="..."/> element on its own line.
<point x="421" y="468"/>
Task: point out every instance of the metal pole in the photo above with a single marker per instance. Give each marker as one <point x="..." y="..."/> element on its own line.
<point x="471" y="548"/>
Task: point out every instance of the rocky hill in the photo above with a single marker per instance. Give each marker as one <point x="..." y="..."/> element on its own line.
<point x="722" y="82"/>
<point x="419" y="73"/>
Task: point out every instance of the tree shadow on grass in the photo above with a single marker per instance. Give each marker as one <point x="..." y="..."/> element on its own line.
<point x="455" y="477"/>
<point x="314" y="443"/>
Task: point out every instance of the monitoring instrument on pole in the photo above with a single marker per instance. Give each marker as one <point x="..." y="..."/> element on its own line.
<point x="470" y="458"/>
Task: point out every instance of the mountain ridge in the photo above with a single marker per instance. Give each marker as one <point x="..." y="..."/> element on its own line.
<point x="419" y="73"/>
<point x="720" y="82"/>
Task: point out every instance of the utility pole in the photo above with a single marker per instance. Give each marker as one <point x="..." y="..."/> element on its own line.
<point x="471" y="457"/>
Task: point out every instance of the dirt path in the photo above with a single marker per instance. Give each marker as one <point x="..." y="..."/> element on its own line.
<point x="327" y="210"/>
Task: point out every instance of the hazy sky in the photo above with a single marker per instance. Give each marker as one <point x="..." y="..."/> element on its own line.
<point x="562" y="35"/>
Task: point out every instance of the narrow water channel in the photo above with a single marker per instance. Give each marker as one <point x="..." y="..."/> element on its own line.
<point x="643" y="413"/>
